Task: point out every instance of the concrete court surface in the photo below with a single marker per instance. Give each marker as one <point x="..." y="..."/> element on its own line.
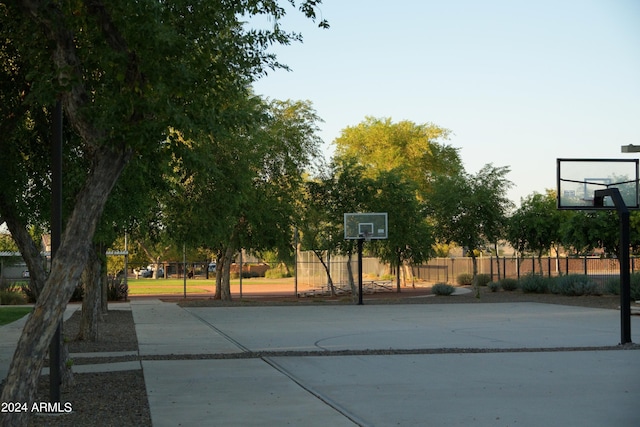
<point x="458" y="388"/>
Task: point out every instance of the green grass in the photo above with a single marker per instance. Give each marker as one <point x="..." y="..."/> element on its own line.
<point x="10" y="314"/>
<point x="194" y="286"/>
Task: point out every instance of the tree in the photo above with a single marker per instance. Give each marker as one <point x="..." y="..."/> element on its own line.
<point x="381" y="145"/>
<point x="253" y="178"/>
<point x="124" y="74"/>
<point x="467" y="209"/>
<point x="343" y="188"/>
<point x="410" y="238"/>
<point x="535" y="225"/>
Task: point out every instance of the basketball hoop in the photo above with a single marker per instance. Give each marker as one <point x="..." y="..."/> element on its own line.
<point x="366" y="236"/>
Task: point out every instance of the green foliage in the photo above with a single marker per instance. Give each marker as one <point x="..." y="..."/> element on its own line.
<point x="418" y="149"/>
<point x="573" y="285"/>
<point x="483" y="279"/>
<point x="509" y="284"/>
<point x="464" y="279"/>
<point x="470" y="210"/>
<point x="12" y="296"/>
<point x="410" y="237"/>
<point x="442" y="289"/>
<point x="277" y="273"/>
<point x="534" y="284"/>
<point x="612" y="286"/>
<point x="535" y="225"/>
<point x="583" y="231"/>
<point x="494" y="286"/>
<point x="7" y="243"/>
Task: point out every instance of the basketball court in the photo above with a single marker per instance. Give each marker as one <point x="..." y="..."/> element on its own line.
<point x="443" y="365"/>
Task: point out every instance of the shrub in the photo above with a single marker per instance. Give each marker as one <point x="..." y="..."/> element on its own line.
<point x="276" y="273"/>
<point x="574" y="285"/>
<point x="464" y="279"/>
<point x="483" y="279"/>
<point x="116" y="289"/>
<point x="635" y="286"/>
<point x="442" y="289"/>
<point x="613" y="286"/>
<point x="509" y="284"/>
<point x="12" y="297"/>
<point x="494" y="286"/>
<point x="534" y="284"/>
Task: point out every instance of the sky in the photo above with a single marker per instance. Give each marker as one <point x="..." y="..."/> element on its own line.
<point x="518" y="83"/>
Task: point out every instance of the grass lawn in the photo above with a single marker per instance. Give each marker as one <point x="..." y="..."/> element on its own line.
<point x="194" y="286"/>
<point x="9" y="314"/>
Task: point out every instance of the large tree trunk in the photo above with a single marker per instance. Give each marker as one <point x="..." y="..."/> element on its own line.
<point x="91" y="307"/>
<point x="225" y="280"/>
<point x="66" y="269"/>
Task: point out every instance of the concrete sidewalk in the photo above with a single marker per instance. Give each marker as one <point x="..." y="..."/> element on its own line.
<point x="503" y="387"/>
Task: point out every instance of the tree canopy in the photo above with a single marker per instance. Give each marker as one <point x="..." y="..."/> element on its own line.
<point x="382" y="145"/>
<point x="470" y="209"/>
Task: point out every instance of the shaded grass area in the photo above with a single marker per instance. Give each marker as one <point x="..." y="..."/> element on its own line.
<point x="11" y="314"/>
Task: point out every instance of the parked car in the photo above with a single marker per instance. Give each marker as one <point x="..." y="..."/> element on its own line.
<point x="143" y="272"/>
<point x="212" y="267"/>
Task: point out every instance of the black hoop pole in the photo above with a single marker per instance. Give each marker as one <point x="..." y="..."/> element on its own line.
<point x="625" y="276"/>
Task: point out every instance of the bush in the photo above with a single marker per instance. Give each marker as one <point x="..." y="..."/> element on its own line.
<point x="494" y="286"/>
<point x="117" y="290"/>
<point x="635" y="286"/>
<point x="574" y="285"/>
<point x="442" y="289"/>
<point x="509" y="284"/>
<point x="12" y="296"/>
<point x="483" y="279"/>
<point x="534" y="284"/>
<point x="464" y="279"/>
<point x="276" y="273"/>
<point x="613" y="286"/>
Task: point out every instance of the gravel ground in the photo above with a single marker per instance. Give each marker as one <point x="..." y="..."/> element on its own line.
<point x="120" y="399"/>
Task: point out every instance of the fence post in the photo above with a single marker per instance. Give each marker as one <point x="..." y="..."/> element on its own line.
<point x="533" y="266"/>
<point x="585" y="265"/>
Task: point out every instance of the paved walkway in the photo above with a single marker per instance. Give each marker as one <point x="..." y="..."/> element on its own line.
<point x="291" y="365"/>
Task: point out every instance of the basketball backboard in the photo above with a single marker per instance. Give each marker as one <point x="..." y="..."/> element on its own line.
<point x="578" y="179"/>
<point x="365" y="226"/>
